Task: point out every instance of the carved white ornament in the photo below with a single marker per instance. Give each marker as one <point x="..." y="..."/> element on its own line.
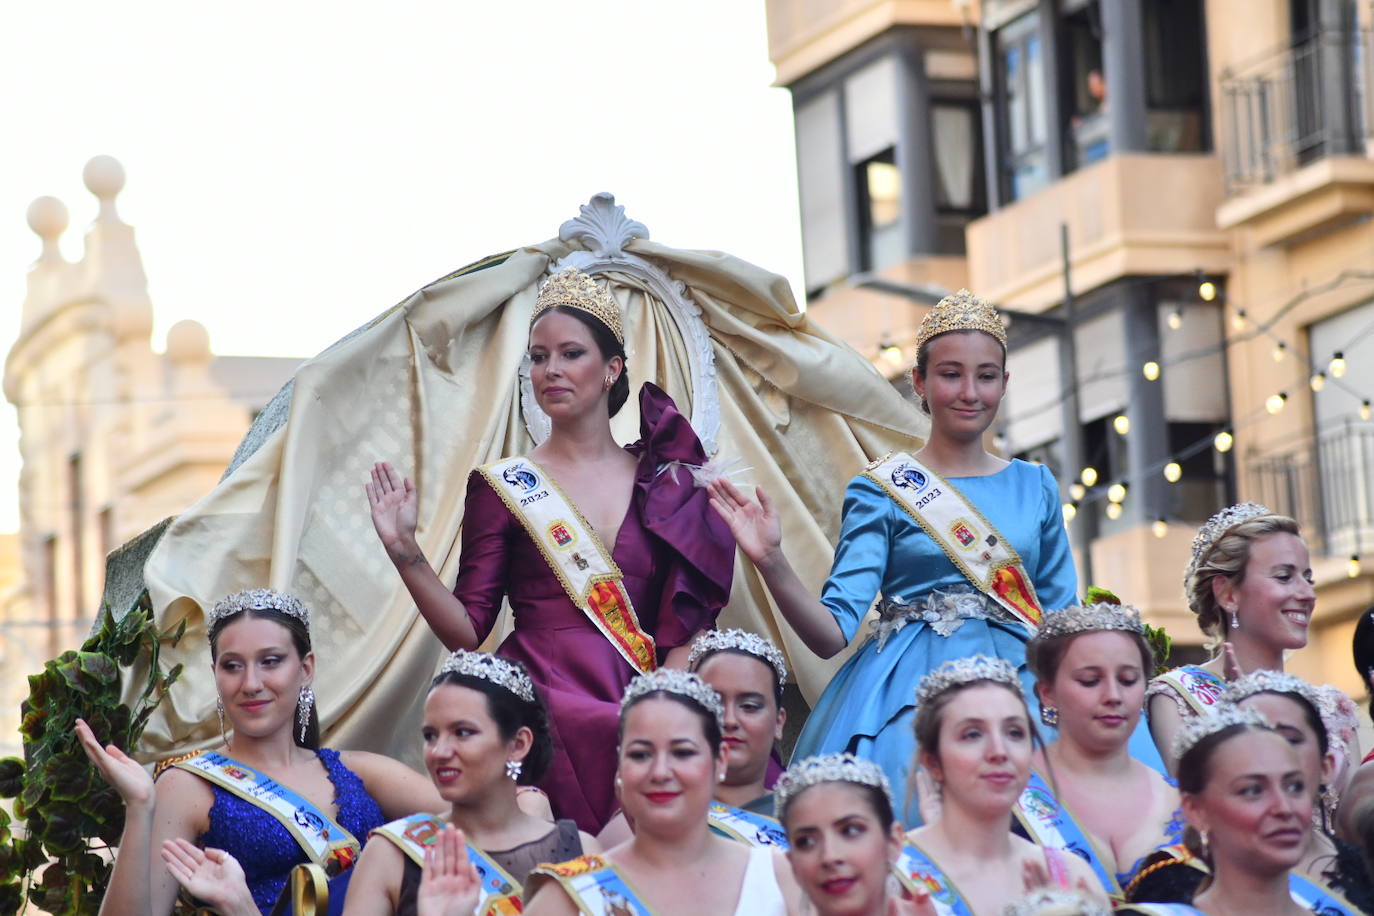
<point x="603" y="230"/>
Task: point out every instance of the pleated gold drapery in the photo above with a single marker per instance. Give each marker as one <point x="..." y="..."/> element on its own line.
<point x="432" y="386"/>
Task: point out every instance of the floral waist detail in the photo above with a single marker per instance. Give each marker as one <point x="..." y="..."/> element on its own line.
<point x="945" y="610"/>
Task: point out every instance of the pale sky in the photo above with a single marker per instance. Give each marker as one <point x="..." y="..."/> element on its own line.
<point x="295" y="168"/>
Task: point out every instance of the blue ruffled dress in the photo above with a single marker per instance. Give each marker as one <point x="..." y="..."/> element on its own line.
<point x="867" y="708"/>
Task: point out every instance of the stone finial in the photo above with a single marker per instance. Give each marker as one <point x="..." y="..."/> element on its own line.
<point x="48" y="219"/>
<point x="104" y="177"/>
<point x="188" y="343"/>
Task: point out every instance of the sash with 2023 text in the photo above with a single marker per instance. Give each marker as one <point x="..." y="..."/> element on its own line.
<point x="576" y="555"/>
<point x="326" y="843"/>
<point x="416" y="833"/>
<point x="1198" y="687"/>
<point x="972" y="543"/>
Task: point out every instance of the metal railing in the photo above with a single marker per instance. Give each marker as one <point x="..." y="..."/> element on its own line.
<point x="1305" y="102"/>
<point x="1327" y="484"/>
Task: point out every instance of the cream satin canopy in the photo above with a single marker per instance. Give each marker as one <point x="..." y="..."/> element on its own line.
<point x="434" y="386"/>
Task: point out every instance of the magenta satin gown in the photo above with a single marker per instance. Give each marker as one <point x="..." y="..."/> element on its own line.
<point x="677" y="557"/>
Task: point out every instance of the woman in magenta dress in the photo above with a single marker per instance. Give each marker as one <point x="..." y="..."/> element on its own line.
<point x="610" y="557"/>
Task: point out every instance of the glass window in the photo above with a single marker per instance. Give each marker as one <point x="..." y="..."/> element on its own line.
<point x="1175" y="78"/>
<point x="1088" y="133"/>
<point x="958" y="152"/>
<point x="1023" y="106"/>
<point x="880" y="207"/>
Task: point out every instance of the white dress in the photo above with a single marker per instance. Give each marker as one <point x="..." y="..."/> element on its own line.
<point x="759" y="894"/>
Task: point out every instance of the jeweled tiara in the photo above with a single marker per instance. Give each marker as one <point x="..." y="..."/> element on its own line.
<point x="1214" y="528"/>
<point x="679" y="683"/>
<point x="1256" y="682"/>
<point x="258" y="599"/>
<point x="813" y="771"/>
<point x="1090" y="618"/>
<point x="1219" y="719"/>
<point x="740" y="641"/>
<point x="574" y="289"/>
<point x="963" y="671"/>
<point x="491" y="668"/>
<point x="961" y="311"/>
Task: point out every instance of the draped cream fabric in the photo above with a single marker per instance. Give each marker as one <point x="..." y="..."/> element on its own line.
<point x="432" y="386"/>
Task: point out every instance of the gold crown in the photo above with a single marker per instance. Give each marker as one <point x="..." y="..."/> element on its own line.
<point x="574" y="289"/>
<point x="961" y="311"/>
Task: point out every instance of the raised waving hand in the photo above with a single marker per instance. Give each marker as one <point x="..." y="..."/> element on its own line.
<point x="449" y="885"/>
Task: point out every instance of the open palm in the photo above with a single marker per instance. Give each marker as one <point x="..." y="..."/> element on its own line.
<point x="754" y="524"/>
<point x="394" y="505"/>
<point x="117" y="768"/>
<point x="449" y="885"/>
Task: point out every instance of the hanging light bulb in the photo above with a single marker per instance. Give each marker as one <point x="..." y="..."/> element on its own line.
<point x="1280" y="349"/>
<point x="1364" y="409"/>
<point x="1122" y="424"/>
<point x="1160" y="527"/>
<point x="1173" y="471"/>
<point x="1238" y="320"/>
<point x="1175" y="319"/>
<point x="1337" y="365"/>
<point x="1150" y="370"/>
<point x="1070" y="512"/>
<point x="1352" y="569"/>
<point x="1113" y="511"/>
<point x="1117" y="492"/>
<point x="1223" y="441"/>
<point x="1088" y="476"/>
<point x="1077" y="491"/>
<point x="1207" y="290"/>
<point x="1274" y="403"/>
<point x="1317" y="381"/>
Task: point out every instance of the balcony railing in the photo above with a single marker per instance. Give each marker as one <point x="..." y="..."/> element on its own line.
<point x="1329" y="489"/>
<point x="1306" y="102"/>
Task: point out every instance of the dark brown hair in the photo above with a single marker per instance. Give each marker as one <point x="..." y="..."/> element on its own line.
<point x="608" y="346"/>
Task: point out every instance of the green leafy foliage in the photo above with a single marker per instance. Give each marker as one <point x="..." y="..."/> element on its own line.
<point x="67" y="809"/>
<point x="1159" y="640"/>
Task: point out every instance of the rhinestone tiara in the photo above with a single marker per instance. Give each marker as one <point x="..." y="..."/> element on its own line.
<point x="1056" y="902"/>
<point x="961" y="311"/>
<point x="1216" y="526"/>
<point x="1256" y="682"/>
<point x="740" y="641"/>
<point x="963" y="671"/>
<point x="1091" y="618"/>
<point x="574" y="289"/>
<point x="1219" y="719"/>
<point x="812" y="771"/>
<point x="493" y="669"/>
<point x="258" y="599"/>
<point x="679" y="683"/>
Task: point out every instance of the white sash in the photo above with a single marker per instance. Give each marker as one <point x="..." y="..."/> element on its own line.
<point x="971" y="542"/>
<point x="575" y="554"/>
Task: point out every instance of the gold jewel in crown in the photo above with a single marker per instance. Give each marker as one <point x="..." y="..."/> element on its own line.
<point x="679" y="683"/>
<point x="963" y="671"/>
<point x="1091" y="618"/>
<point x="493" y="669"/>
<point x="961" y="311"/>
<point x="1215" y="528"/>
<point x="1056" y="902"/>
<point x="258" y="599"/>
<point x="813" y="771"/>
<point x="1220" y="718"/>
<point x="740" y="641"/>
<point x="574" y="289"/>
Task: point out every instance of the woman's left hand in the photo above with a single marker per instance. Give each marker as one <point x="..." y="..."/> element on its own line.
<point x="449" y="885"/>
<point x="211" y="875"/>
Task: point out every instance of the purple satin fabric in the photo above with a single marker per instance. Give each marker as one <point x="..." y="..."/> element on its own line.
<point x="677" y="557"/>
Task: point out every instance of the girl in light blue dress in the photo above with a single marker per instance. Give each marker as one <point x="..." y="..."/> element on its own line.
<point x="965" y="550"/>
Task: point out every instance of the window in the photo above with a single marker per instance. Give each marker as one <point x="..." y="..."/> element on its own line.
<point x="1088" y="133"/>
<point x="1022" y="73"/>
<point x="77" y="532"/>
<point x="956" y="129"/>
<point x="880" y="211"/>
<point x="1175" y="76"/>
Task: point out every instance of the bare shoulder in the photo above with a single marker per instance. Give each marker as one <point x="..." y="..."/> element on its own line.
<point x="549" y="899"/>
<point x="590" y="844"/>
<point x="183" y="803"/>
<point x="367" y="764"/>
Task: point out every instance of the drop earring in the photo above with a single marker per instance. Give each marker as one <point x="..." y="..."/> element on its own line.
<point x="219" y="708"/>
<point x="304" y="701"/>
<point x="1235" y="619"/>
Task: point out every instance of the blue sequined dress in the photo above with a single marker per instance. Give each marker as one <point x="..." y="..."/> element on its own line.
<point x="867" y="708"/>
<point x="265" y="848"/>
